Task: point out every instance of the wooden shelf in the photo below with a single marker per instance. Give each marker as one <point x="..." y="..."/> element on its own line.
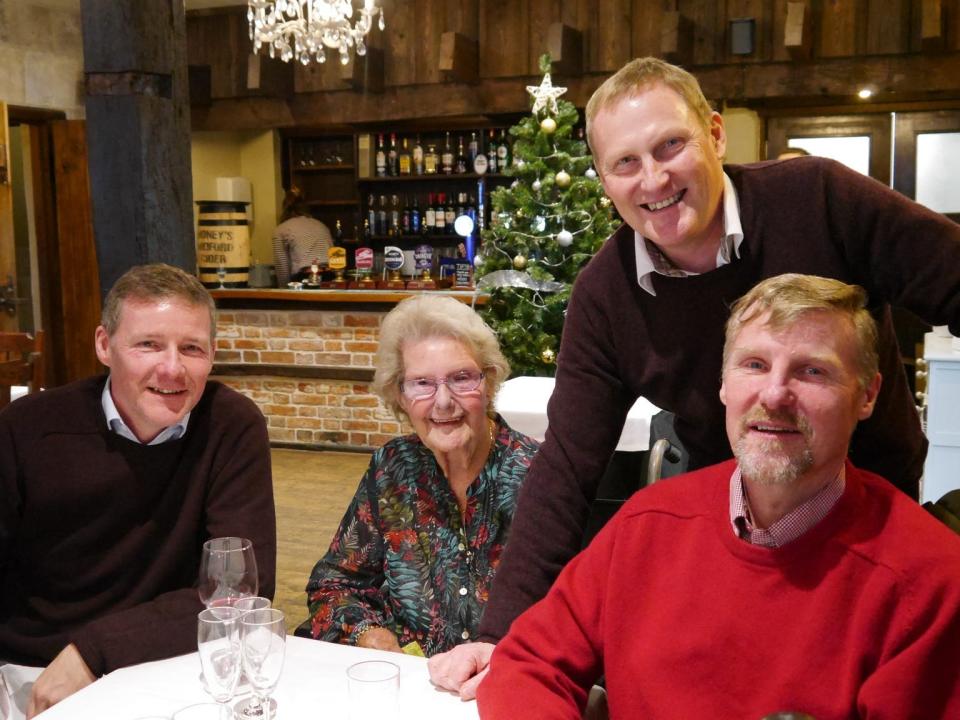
<point x="429" y="178"/>
<point x="331" y="203"/>
<point x="323" y="168"/>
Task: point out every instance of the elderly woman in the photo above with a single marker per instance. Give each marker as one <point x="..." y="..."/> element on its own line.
<point x="411" y="565"/>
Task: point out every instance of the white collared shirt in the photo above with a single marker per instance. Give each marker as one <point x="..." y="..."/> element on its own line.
<point x="116" y="424"/>
<point x="729" y="244"/>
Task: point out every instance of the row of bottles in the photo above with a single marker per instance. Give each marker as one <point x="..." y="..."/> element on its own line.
<point x="412" y="158"/>
<point x="404" y="216"/>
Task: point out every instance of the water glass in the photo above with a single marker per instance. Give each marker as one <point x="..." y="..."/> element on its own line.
<point x="218" y="643"/>
<point x="373" y="688"/>
<point x="228" y="571"/>
<point x="263" y="634"/>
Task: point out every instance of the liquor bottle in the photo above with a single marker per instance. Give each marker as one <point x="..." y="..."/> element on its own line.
<point x="431" y="160"/>
<point x="394" y="216"/>
<point x="371" y="214"/>
<point x="367" y="232"/>
<point x="418" y="157"/>
<point x="338" y="233"/>
<point x="440" y="216"/>
<point x="473" y="147"/>
<point x="415" y="217"/>
<point x="405" y="220"/>
<point x="451" y="215"/>
<point x="503" y="152"/>
<point x="392" y="156"/>
<point x="461" y="166"/>
<point x="492" y="153"/>
<point x="481" y="163"/>
<point x="429" y="217"/>
<point x="381" y="157"/>
<point x="405" y="159"/>
<point x="381" y="228"/>
<point x="446" y="159"/>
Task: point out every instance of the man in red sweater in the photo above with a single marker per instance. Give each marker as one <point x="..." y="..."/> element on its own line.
<point x="111" y="485"/>
<point x="784" y="580"/>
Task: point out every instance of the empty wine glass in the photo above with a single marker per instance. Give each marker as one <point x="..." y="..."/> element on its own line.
<point x="228" y="571"/>
<point x="218" y="644"/>
<point x="221" y="275"/>
<point x="255" y="602"/>
<point x="263" y="635"/>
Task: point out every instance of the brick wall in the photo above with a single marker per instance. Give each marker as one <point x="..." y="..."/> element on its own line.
<point x="308" y="411"/>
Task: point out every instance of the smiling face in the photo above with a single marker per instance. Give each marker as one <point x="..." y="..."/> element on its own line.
<point x="445" y="422"/>
<point x="662" y="169"/>
<point x="793" y="398"/>
<point x="159" y="358"/>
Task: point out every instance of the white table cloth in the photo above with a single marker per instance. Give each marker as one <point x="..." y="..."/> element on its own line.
<point x="523" y="403"/>
<point x="313" y="685"/>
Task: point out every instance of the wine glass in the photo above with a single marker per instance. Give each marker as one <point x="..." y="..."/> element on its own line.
<point x="218" y="644"/>
<point x="221" y="275"/>
<point x="263" y="634"/>
<point x="228" y="571"/>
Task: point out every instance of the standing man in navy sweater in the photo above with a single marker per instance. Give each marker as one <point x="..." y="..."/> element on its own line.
<point x="111" y="486"/>
<point x="646" y="315"/>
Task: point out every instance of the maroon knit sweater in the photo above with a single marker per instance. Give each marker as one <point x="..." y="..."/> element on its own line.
<point x="808" y="215"/>
<point x="100" y="537"/>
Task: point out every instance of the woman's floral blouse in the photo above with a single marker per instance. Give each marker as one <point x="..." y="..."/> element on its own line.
<point x="404" y="558"/>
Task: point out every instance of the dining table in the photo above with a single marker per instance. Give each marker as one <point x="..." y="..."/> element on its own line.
<point x="313" y="684"/>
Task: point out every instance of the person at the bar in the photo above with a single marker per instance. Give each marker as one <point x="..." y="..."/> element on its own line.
<point x="299" y="240"/>
<point x="411" y="564"/>
<point x="787" y="579"/>
<point x="111" y="485"/>
<point x="646" y="315"/>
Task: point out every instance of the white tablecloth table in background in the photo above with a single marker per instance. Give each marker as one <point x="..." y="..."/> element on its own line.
<point x="313" y="685"/>
<point x="523" y="403"/>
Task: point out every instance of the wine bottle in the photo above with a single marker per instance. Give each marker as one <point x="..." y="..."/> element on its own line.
<point x="429" y="217"/>
<point x="492" y="153"/>
<point x="418" y="158"/>
<point x="446" y="159"/>
<point x="461" y="166"/>
<point x="381" y="157"/>
<point x="392" y="168"/>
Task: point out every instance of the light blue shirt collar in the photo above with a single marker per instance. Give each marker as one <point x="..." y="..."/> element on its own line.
<point x="729" y="244"/>
<point x="116" y="424"/>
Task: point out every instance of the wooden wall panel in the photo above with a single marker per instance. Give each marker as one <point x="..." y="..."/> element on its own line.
<point x="463" y="17"/>
<point x="709" y="34"/>
<point x="504" y="40"/>
<point x="763" y="16"/>
<point x="541" y="15"/>
<point x="887" y="26"/>
<point x="841" y="27"/>
<point x="613" y="35"/>
<point x="221" y="41"/>
<point x="646" y="27"/>
<point x="399" y="45"/>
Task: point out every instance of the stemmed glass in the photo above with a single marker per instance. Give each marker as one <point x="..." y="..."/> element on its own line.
<point x="228" y="571"/>
<point x="263" y="634"/>
<point x="218" y="643"/>
<point x="221" y="275"/>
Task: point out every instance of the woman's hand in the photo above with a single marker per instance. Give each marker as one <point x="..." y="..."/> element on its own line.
<point x="379" y="639"/>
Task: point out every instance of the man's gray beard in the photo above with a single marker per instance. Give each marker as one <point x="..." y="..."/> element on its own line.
<point x="769" y="465"/>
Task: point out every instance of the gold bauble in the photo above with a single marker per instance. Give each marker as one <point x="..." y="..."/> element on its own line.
<point x="562" y="179"/>
<point x="519" y="262"/>
<point x="548" y="356"/>
<point x="548" y="125"/>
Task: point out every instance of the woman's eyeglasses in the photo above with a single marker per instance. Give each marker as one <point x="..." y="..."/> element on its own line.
<point x="459" y="383"/>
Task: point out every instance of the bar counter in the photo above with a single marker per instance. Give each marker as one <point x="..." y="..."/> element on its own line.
<point x="306" y="357"/>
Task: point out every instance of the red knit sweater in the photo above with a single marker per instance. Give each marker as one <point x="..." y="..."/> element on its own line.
<point x="858" y="618"/>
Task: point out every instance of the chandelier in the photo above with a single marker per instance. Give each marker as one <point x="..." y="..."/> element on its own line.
<point x="303" y="29"/>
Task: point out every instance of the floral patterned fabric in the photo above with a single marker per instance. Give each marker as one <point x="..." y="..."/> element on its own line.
<point x="404" y="558"/>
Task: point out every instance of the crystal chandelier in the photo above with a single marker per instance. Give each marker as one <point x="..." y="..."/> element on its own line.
<point x="305" y="28"/>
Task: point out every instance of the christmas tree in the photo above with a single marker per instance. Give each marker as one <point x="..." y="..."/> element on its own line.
<point x="544" y="228"/>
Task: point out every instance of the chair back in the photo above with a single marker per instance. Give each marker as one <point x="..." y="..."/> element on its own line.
<point x="21" y="362"/>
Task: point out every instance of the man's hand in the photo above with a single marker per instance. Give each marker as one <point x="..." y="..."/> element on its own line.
<point x="462" y="669"/>
<point x="62" y="677"/>
<point x="379" y="639"/>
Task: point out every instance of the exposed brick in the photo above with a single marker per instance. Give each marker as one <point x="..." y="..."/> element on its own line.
<point x="250" y="344"/>
<point x="332" y="346"/>
<point x="364" y="361"/>
<point x="281" y="435"/>
<point x="252" y="332"/>
<point x="227" y="356"/>
<point x="305" y="422"/>
<point x="336" y="359"/>
<point x="279" y="318"/>
<point x="247" y="317"/>
<point x="306" y="411"/>
<point x="366" y="320"/>
<point x="300" y="398"/>
<point x="360" y="347"/>
<point x="329" y="424"/>
<point x="306" y="317"/>
<point x="361" y="402"/>
<point x="280" y="385"/>
<point x="279" y="332"/>
<point x="359" y="439"/>
<point x="379" y="439"/>
<point x="279" y="410"/>
<point x="332" y="320"/>
<point x="228" y="331"/>
<point x="393" y="428"/>
<point x="280" y="358"/>
<point x="339" y="438"/>
<point x="365" y="425"/>
<point x="280" y="398"/>
<point x="305" y="435"/>
<point x="251" y="356"/>
<point x="224" y="317"/>
<point x="311" y="345"/>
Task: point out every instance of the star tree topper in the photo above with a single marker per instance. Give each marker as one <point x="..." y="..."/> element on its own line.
<point x="545" y="95"/>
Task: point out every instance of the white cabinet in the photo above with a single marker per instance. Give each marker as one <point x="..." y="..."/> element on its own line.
<point x="941" y="473"/>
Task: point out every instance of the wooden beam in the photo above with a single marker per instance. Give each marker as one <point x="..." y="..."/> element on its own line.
<point x="459" y="58"/>
<point x="676" y="37"/>
<point x="932" y="25"/>
<point x="798" y="31"/>
<point x="565" y="46"/>
<point x="269" y="77"/>
<point x="364" y="73"/>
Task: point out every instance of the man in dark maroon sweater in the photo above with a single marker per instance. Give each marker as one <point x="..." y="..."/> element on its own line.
<point x="646" y="316"/>
<point x="111" y="486"/>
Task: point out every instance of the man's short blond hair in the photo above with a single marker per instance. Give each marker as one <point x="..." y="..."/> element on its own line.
<point x="155" y="282"/>
<point x="790" y="297"/>
<point x="638" y="75"/>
